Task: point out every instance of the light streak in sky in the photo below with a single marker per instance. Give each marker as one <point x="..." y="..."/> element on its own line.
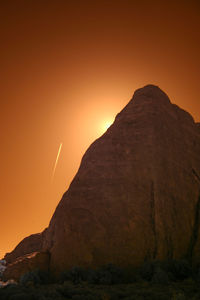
<point x="59" y="150"/>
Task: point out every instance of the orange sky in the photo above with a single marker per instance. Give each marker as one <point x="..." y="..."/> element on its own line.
<point x="67" y="67"/>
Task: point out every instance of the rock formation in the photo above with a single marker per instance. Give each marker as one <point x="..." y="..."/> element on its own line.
<point x="136" y="195"/>
<point x="26" y="263"/>
<point x="32" y="243"/>
<point x="2" y="267"/>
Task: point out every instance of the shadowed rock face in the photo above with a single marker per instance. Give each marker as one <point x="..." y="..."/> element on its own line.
<point x="27" y="263"/>
<point x="28" y="245"/>
<point x="136" y="194"/>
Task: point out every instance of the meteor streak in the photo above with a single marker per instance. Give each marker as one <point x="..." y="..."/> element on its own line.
<point x="59" y="150"/>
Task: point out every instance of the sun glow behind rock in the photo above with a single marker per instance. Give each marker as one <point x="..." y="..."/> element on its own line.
<point x="106" y="124"/>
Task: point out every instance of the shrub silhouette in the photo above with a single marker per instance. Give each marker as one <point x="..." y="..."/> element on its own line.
<point x="148" y="269"/>
<point x="75" y="274"/>
<point x="160" y="276"/>
<point x="179" y="269"/>
<point x="108" y="274"/>
<point x="35" y="277"/>
<point x="165" y="270"/>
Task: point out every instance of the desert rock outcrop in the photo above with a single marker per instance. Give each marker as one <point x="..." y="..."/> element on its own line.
<point x="28" y="245"/>
<point x="27" y="263"/>
<point x="136" y="195"/>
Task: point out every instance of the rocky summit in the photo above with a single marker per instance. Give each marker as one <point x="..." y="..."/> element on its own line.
<point x="136" y="195"/>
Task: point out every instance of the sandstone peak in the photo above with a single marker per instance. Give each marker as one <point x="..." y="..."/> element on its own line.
<point x="136" y="195"/>
<point x="151" y="91"/>
<point x="151" y="99"/>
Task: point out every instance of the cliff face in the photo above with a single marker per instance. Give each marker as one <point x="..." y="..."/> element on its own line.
<point x="136" y="194"/>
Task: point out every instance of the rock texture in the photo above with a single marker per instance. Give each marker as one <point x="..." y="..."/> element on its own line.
<point x="198" y="125"/>
<point x="27" y="263"/>
<point x="136" y="194"/>
<point x="28" y="245"/>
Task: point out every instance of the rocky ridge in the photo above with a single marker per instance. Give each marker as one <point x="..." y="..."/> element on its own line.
<point x="32" y="243"/>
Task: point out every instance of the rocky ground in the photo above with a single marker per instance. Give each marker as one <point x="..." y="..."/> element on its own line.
<point x="187" y="289"/>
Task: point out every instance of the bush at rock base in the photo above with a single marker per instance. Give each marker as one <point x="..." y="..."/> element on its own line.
<point x="34" y="277"/>
<point x="108" y="274"/>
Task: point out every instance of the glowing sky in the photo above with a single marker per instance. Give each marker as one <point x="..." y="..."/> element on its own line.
<point x="67" y="68"/>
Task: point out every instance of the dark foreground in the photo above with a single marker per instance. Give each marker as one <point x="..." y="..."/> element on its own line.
<point x="187" y="289"/>
<point x="174" y="280"/>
